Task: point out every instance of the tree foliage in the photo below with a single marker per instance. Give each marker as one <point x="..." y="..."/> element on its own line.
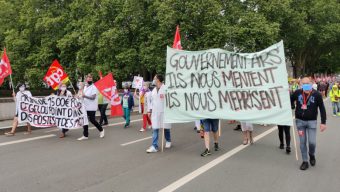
<point x="129" y="37"/>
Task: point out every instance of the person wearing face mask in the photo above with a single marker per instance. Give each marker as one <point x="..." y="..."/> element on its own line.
<point x="128" y="104"/>
<point x="334" y="94"/>
<point x="144" y="105"/>
<point x="17" y="97"/>
<point x="157" y="114"/>
<point x="89" y="94"/>
<point x="306" y="103"/>
<point x="63" y="92"/>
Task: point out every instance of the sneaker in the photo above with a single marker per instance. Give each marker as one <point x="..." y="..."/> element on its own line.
<point x="82" y="138"/>
<point x="102" y="134"/>
<point x="216" y="147"/>
<point x="237" y="128"/>
<point x="282" y="146"/>
<point x="167" y="145"/>
<point x="334" y="115"/>
<point x="150" y="127"/>
<point x="142" y="129"/>
<point x="151" y="149"/>
<point x="288" y="150"/>
<point x="105" y="124"/>
<point x="312" y="160"/>
<point x="206" y="153"/>
<point x="304" y="166"/>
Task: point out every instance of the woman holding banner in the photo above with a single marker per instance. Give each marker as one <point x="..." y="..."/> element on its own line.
<point x="144" y="105"/>
<point x="91" y="105"/>
<point x="22" y="91"/>
<point x="63" y="92"/>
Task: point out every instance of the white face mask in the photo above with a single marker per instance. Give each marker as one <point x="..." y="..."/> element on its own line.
<point x="22" y="88"/>
<point x="63" y="88"/>
<point x="154" y="82"/>
<point x="125" y="90"/>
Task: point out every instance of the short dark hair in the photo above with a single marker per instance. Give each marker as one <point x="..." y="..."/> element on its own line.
<point x="20" y="84"/>
<point x="160" y="77"/>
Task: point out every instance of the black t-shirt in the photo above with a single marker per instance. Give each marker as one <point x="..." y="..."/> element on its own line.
<point x="313" y="102"/>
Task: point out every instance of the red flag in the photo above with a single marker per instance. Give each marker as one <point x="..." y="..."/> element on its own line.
<point x="107" y="87"/>
<point x="55" y="75"/>
<point x="5" y="67"/>
<point x="177" y="40"/>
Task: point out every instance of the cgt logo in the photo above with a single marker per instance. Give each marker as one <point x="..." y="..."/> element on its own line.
<point x="55" y="77"/>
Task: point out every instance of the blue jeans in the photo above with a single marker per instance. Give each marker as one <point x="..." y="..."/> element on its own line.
<point x="155" y="137"/>
<point x="336" y="107"/>
<point x="307" y="130"/>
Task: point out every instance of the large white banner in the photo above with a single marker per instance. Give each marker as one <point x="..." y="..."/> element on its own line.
<point x="50" y="111"/>
<point x="217" y="84"/>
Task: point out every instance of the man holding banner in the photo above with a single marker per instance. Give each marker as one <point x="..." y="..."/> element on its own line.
<point x="91" y="105"/>
<point x="157" y="115"/>
<point x="307" y="103"/>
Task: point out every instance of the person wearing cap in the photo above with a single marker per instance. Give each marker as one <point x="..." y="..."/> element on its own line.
<point x="306" y="102"/>
<point x="334" y="94"/>
<point x="128" y="104"/>
<point x="17" y="97"/>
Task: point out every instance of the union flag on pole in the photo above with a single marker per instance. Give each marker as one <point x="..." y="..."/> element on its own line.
<point x="107" y="87"/>
<point x="177" y="40"/>
<point x="55" y="75"/>
<point x="5" y="67"/>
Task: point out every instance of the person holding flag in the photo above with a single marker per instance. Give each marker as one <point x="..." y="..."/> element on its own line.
<point x="17" y="97"/>
<point x="89" y="95"/>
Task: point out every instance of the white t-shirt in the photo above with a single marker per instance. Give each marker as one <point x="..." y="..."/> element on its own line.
<point x="89" y="91"/>
<point x="18" y="98"/>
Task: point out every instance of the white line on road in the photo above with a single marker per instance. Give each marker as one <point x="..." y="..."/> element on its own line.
<point x="25" y="140"/>
<point x="132" y="142"/>
<point x="187" y="178"/>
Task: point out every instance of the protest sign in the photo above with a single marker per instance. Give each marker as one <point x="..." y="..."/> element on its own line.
<point x="137" y="82"/>
<point x="217" y="84"/>
<point x="63" y="112"/>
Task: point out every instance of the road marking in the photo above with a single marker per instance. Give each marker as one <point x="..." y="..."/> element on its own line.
<point x="136" y="141"/>
<point x="120" y="123"/>
<point x="187" y="178"/>
<point x="7" y="127"/>
<point x="26" y="140"/>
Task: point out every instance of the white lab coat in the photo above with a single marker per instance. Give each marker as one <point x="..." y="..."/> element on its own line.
<point x="157" y="106"/>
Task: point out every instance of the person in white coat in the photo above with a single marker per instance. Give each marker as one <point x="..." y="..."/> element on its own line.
<point x="157" y="114"/>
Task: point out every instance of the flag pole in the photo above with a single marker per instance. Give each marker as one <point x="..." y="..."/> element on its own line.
<point x="219" y="128"/>
<point x="162" y="139"/>
<point x="12" y="85"/>
<point x="73" y="88"/>
<point x="294" y="138"/>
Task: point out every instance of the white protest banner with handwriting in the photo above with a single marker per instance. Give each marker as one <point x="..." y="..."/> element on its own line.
<point x="63" y="112"/>
<point x="217" y="84"/>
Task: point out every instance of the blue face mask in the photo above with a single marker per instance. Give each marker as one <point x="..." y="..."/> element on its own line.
<point x="307" y="87"/>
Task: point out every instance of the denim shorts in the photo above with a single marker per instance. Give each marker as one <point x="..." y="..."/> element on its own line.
<point x="210" y="125"/>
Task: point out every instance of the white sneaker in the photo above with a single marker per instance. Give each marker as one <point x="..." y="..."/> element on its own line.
<point x="102" y="134"/>
<point x="167" y="145"/>
<point x="150" y="127"/>
<point x="151" y="149"/>
<point x="334" y="115"/>
<point x="83" y="138"/>
<point x="142" y="129"/>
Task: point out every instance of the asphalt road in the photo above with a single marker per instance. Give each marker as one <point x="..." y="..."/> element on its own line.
<point x="43" y="162"/>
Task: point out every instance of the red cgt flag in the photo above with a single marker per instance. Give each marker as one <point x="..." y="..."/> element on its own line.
<point x="55" y="75"/>
<point x="5" y="67"/>
<point x="107" y="87"/>
<point x="177" y="40"/>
